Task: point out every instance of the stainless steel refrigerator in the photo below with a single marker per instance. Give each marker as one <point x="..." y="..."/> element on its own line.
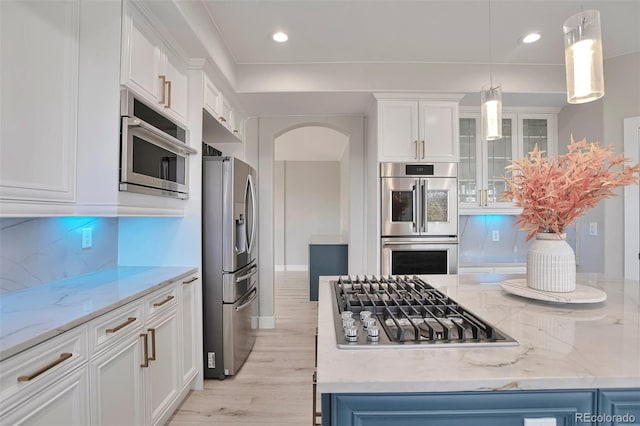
<point x="229" y="263"/>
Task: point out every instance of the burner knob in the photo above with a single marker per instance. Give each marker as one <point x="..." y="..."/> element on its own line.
<point x="346" y="315"/>
<point x="368" y="323"/>
<point x="373" y="333"/>
<point x="346" y="323"/>
<point x="351" y="334"/>
<point x="364" y="315"/>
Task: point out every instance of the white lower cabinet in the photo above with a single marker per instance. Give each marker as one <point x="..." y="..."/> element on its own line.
<point x="130" y="366"/>
<point x="64" y="403"/>
<point x="117" y="388"/>
<point x="162" y="374"/>
<point x="188" y="331"/>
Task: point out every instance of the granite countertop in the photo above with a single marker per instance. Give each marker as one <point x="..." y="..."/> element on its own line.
<point x="31" y="316"/>
<point x="561" y="346"/>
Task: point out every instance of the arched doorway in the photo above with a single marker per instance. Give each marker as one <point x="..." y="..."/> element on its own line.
<point x="270" y="129"/>
<point x="311" y="191"/>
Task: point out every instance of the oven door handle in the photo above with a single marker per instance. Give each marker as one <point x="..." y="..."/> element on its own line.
<point x="414" y="189"/>
<point x="431" y="241"/>
<point x="423" y="196"/>
<point x="168" y="139"/>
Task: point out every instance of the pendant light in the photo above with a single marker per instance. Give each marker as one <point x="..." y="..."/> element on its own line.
<point x="491" y="101"/>
<point x="583" y="57"/>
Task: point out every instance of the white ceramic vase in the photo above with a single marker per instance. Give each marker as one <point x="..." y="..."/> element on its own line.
<point x="551" y="264"/>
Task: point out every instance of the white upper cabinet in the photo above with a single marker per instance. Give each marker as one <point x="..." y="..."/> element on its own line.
<point x="151" y="68"/>
<point x="230" y="121"/>
<point x="38" y="119"/>
<point x="417" y="130"/>
<point x="482" y="163"/>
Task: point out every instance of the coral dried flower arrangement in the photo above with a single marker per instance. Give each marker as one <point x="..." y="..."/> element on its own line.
<point x="553" y="192"/>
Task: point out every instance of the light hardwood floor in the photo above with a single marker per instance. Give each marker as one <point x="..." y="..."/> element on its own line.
<point x="273" y="387"/>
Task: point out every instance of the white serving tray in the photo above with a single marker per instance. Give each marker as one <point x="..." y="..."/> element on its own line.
<point x="582" y="293"/>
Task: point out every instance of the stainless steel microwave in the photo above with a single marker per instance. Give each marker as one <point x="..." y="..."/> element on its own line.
<point x="154" y="155"/>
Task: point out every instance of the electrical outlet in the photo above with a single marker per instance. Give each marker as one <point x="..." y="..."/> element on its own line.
<point x="593" y="228"/>
<point x="495" y="235"/>
<point x="87" y="238"/>
<point x="543" y="421"/>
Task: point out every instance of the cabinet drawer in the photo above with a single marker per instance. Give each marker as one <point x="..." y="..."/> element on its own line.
<point x="161" y="301"/>
<point x="34" y="369"/>
<point x="112" y="327"/>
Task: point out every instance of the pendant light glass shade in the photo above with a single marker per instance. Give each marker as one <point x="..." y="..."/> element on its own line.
<point x="491" y="112"/>
<point x="583" y="57"/>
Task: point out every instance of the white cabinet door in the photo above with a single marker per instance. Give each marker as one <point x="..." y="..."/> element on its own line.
<point x="163" y="364"/>
<point x="151" y="68"/>
<point x="438" y="131"/>
<point x="211" y="98"/>
<point x="141" y="58"/>
<point x="398" y="130"/>
<point x="117" y="387"/>
<point x="176" y="75"/>
<point x="39" y="92"/>
<point x="188" y="331"/>
<point x="64" y="403"/>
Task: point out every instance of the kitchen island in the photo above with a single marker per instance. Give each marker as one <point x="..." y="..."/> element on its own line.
<point x="571" y="360"/>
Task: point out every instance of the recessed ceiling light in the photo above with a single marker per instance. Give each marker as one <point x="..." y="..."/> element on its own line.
<point x="531" y="38"/>
<point x="280" y="37"/>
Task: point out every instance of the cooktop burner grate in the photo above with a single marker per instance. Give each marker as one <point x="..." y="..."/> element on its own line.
<point x="410" y="311"/>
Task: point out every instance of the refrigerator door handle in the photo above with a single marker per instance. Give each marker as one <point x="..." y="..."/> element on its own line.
<point x="251" y="237"/>
<point x="252" y="272"/>
<point x="248" y="302"/>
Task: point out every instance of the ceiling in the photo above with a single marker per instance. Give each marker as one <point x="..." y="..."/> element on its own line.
<point x="332" y="33"/>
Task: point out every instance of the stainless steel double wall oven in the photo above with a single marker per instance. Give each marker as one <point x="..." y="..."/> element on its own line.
<point x="229" y="263"/>
<point x="419" y="218"/>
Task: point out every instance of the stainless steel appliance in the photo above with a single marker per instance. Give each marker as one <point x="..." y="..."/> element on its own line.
<point x="378" y="312"/>
<point x="229" y="263"/>
<point x="419" y="256"/>
<point x="154" y="155"/>
<point x="419" y="218"/>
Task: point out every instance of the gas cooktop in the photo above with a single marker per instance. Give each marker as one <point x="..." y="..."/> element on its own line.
<point x="401" y="311"/>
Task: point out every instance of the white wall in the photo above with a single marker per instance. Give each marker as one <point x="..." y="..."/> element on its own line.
<point x="312" y="206"/>
<point x="345" y="196"/>
<point x="602" y="121"/>
<point x="621" y="100"/>
<point x="278" y="215"/>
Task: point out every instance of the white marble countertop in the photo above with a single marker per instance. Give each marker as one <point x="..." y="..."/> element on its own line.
<point x="33" y="315"/>
<point x="561" y="346"/>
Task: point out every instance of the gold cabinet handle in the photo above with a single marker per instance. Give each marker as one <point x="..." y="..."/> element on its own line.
<point x="63" y="356"/>
<point x="480" y="197"/>
<point x="235" y="131"/>
<point x="221" y="118"/>
<point x="423" y="150"/>
<point x="145" y="349"/>
<point x="416" y="145"/>
<point x="168" y="105"/>
<point x="153" y="344"/>
<point x="163" y="81"/>
<point x="486" y="197"/>
<point x="168" y="299"/>
<point x="190" y="281"/>
<point x="121" y="326"/>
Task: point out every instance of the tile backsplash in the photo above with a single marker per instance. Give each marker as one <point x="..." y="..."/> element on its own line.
<point x="35" y="251"/>
<point x="477" y="245"/>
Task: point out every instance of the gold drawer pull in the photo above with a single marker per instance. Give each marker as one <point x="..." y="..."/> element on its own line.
<point x="168" y="105"/>
<point x="63" y="356"/>
<point x="121" y="326"/>
<point x="145" y="350"/>
<point x="221" y="118"/>
<point x="235" y="131"/>
<point x="168" y="299"/>
<point x="153" y="344"/>
<point x="190" y="281"/>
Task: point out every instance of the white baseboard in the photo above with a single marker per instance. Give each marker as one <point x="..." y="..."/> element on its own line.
<point x="267" y="322"/>
<point x="279" y="268"/>
<point x="297" y="268"/>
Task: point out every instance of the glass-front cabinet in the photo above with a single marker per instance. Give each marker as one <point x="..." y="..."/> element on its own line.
<point x="482" y="163"/>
